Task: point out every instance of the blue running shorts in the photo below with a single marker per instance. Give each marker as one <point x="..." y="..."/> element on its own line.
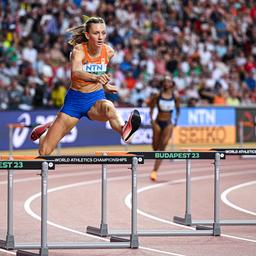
<point x="77" y="104"/>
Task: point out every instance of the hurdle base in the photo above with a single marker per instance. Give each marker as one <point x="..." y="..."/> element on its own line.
<point x="134" y="241"/>
<point x="216" y="229"/>
<point x="187" y="220"/>
<point x="9" y="244"/>
<point x="102" y="231"/>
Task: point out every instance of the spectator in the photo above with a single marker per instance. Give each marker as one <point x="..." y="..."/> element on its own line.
<point x="129" y="81"/>
<point x="14" y="94"/>
<point x="4" y="99"/>
<point x="58" y="94"/>
<point x="220" y="97"/>
<point x="29" y="53"/>
<point x="250" y="81"/>
<point x="26" y="98"/>
<point x="197" y="42"/>
<point x="232" y="98"/>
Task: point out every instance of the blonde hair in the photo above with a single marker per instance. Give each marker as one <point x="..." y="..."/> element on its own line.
<point x="78" y="35"/>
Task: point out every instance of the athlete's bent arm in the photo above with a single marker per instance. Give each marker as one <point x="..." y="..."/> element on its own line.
<point x="177" y="106"/>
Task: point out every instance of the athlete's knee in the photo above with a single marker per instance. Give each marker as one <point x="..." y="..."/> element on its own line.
<point x="108" y="106"/>
<point x="108" y="109"/>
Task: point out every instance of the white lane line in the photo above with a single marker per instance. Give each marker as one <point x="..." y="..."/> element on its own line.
<point x="5" y="251"/>
<point x="239" y="238"/>
<point x="127" y="201"/>
<point x="28" y="209"/>
<point x="232" y="205"/>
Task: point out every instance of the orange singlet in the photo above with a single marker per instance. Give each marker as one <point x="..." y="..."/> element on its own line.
<point x="95" y="65"/>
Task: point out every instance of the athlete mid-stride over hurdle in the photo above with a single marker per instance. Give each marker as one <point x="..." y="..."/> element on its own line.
<point x="86" y="95"/>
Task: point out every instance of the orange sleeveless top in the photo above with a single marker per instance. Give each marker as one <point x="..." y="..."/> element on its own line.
<point x="95" y="65"/>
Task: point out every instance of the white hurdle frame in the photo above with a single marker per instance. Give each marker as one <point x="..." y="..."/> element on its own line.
<point x="102" y="231"/>
<point x="187" y="220"/>
<point x="44" y="246"/>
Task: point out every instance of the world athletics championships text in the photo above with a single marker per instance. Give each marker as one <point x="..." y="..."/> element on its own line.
<point x="91" y="160"/>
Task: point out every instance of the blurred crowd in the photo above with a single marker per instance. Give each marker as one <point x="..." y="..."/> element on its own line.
<point x="207" y="46"/>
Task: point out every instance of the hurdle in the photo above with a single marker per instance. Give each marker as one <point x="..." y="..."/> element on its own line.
<point x="102" y="231"/>
<point x="115" y="242"/>
<point x="187" y="220"/>
<point x="16" y="165"/>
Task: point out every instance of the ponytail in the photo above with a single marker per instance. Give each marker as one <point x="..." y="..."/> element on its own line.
<point x="78" y="35"/>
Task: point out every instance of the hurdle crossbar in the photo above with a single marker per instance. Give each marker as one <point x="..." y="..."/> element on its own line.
<point x="200" y="231"/>
<point x="79" y="159"/>
<point x="187" y="220"/>
<point x="228" y="151"/>
<point x="164" y="155"/>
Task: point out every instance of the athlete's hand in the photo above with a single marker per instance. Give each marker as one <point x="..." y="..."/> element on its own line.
<point x="103" y="79"/>
<point x="109" y="88"/>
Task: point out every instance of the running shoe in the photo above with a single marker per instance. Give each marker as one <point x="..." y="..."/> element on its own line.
<point x="131" y="126"/>
<point x="39" y="130"/>
<point x="153" y="175"/>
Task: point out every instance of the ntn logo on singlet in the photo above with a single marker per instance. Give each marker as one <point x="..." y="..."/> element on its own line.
<point x="166" y="105"/>
<point x="93" y="68"/>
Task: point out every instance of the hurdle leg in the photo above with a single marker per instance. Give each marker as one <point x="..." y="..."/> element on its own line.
<point x="8" y="243"/>
<point x="103" y="230"/>
<point x="43" y="250"/>
<point x="216" y="223"/>
<point x="44" y="209"/>
<point x="10" y="235"/>
<point x="134" y="241"/>
<point x="103" y="224"/>
<point x="187" y="220"/>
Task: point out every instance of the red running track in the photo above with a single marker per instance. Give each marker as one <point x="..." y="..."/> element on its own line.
<point x="74" y="203"/>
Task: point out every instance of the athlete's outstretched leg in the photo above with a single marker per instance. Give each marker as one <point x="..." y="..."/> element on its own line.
<point x="104" y="110"/>
<point x="50" y="135"/>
